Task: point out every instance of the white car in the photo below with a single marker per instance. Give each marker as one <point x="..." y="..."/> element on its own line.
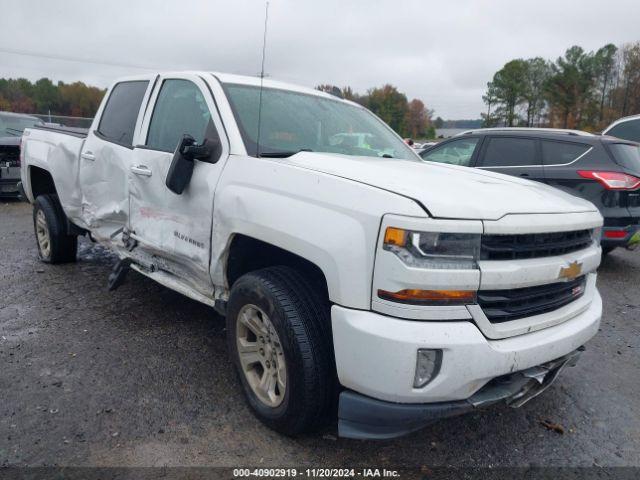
<point x="407" y="291"/>
<point x="627" y="128"/>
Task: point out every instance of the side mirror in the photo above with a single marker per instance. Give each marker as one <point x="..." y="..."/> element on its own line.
<point x="181" y="169"/>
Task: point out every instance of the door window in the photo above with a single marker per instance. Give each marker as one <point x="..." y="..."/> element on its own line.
<point x="456" y="152"/>
<point x="180" y="109"/>
<point x="560" y="153"/>
<point x="510" y="152"/>
<point x="121" y="112"/>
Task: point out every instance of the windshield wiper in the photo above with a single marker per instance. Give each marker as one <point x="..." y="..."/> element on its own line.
<point x="283" y="154"/>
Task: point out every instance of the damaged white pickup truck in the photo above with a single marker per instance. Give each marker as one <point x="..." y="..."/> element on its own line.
<point x="354" y="277"/>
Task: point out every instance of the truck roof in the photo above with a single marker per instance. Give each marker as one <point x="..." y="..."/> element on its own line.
<point x="269" y="83"/>
<point x="249" y="80"/>
<point x="245" y="80"/>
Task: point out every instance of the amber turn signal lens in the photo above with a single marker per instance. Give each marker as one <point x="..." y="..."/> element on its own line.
<point x="395" y="236"/>
<point x="430" y="297"/>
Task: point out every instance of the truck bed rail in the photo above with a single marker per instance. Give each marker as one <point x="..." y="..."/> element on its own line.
<point x="73" y="131"/>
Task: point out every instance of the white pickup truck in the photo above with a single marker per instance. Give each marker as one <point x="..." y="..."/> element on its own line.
<point x="354" y="278"/>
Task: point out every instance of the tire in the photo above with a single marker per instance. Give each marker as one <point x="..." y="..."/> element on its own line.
<point x="50" y="226"/>
<point x="607" y="250"/>
<point x="300" y="317"/>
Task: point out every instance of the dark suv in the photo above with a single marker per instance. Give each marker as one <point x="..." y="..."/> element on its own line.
<point x="604" y="170"/>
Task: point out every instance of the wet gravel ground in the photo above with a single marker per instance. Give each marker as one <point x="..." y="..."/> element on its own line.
<point x="140" y="377"/>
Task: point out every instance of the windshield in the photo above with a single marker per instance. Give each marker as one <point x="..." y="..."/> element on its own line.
<point x="14" y="125"/>
<point x="293" y="122"/>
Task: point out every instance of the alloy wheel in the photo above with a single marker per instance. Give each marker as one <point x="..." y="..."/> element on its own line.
<point x="42" y="234"/>
<point x="261" y="355"/>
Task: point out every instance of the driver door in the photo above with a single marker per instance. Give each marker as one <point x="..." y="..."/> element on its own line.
<point x="174" y="231"/>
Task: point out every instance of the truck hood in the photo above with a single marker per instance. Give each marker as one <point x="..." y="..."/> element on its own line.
<point x="446" y="191"/>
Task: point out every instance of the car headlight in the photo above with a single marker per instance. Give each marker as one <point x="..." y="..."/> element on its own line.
<point x="596" y="234"/>
<point x="434" y="249"/>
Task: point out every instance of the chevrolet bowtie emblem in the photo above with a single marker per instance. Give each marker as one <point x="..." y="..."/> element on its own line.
<point x="571" y="271"/>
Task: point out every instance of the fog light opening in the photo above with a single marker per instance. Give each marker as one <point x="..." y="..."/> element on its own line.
<point x="427" y="366"/>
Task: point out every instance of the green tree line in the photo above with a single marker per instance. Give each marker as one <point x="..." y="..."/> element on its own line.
<point x="410" y="118"/>
<point x="72" y="99"/>
<point x="583" y="90"/>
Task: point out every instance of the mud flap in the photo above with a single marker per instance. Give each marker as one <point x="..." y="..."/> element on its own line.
<point x="119" y="273"/>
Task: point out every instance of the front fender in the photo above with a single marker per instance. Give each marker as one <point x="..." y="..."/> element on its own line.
<point x="330" y="221"/>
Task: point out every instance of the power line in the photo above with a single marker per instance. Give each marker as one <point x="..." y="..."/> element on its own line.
<point x="72" y="59"/>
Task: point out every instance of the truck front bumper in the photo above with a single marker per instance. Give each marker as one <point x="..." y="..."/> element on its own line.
<point x="376" y="360"/>
<point x="363" y="417"/>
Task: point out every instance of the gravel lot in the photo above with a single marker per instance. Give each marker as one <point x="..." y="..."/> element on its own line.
<point x="140" y="377"/>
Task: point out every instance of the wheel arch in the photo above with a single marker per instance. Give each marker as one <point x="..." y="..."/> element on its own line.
<point x="40" y="182"/>
<point x="245" y="254"/>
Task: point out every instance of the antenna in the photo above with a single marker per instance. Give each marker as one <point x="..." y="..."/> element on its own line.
<point x="264" y="49"/>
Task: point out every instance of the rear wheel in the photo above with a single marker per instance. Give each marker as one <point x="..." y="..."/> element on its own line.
<point x="50" y="225"/>
<point x="279" y="340"/>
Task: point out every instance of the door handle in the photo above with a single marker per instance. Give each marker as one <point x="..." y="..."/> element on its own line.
<point x="524" y="174"/>
<point x="88" y="155"/>
<point x="141" y="170"/>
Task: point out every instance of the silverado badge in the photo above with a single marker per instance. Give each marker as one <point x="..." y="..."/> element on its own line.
<point x="571" y="272"/>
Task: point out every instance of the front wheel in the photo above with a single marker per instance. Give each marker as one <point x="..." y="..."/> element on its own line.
<point x="279" y="340"/>
<point x="50" y="225"/>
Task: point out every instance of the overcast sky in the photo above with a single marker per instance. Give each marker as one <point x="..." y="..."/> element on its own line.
<point x="441" y="52"/>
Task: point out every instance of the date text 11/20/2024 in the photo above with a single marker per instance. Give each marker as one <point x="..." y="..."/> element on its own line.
<point x="316" y="472"/>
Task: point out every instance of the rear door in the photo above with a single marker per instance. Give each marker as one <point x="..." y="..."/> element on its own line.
<point x="106" y="155"/>
<point x="512" y="155"/>
<point x="174" y="231"/>
<point x="561" y="160"/>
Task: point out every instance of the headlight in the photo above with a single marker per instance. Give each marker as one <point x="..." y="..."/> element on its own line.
<point x="434" y="249"/>
<point x="596" y="233"/>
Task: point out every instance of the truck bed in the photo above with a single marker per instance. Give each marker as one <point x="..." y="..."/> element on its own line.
<point x="55" y="150"/>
